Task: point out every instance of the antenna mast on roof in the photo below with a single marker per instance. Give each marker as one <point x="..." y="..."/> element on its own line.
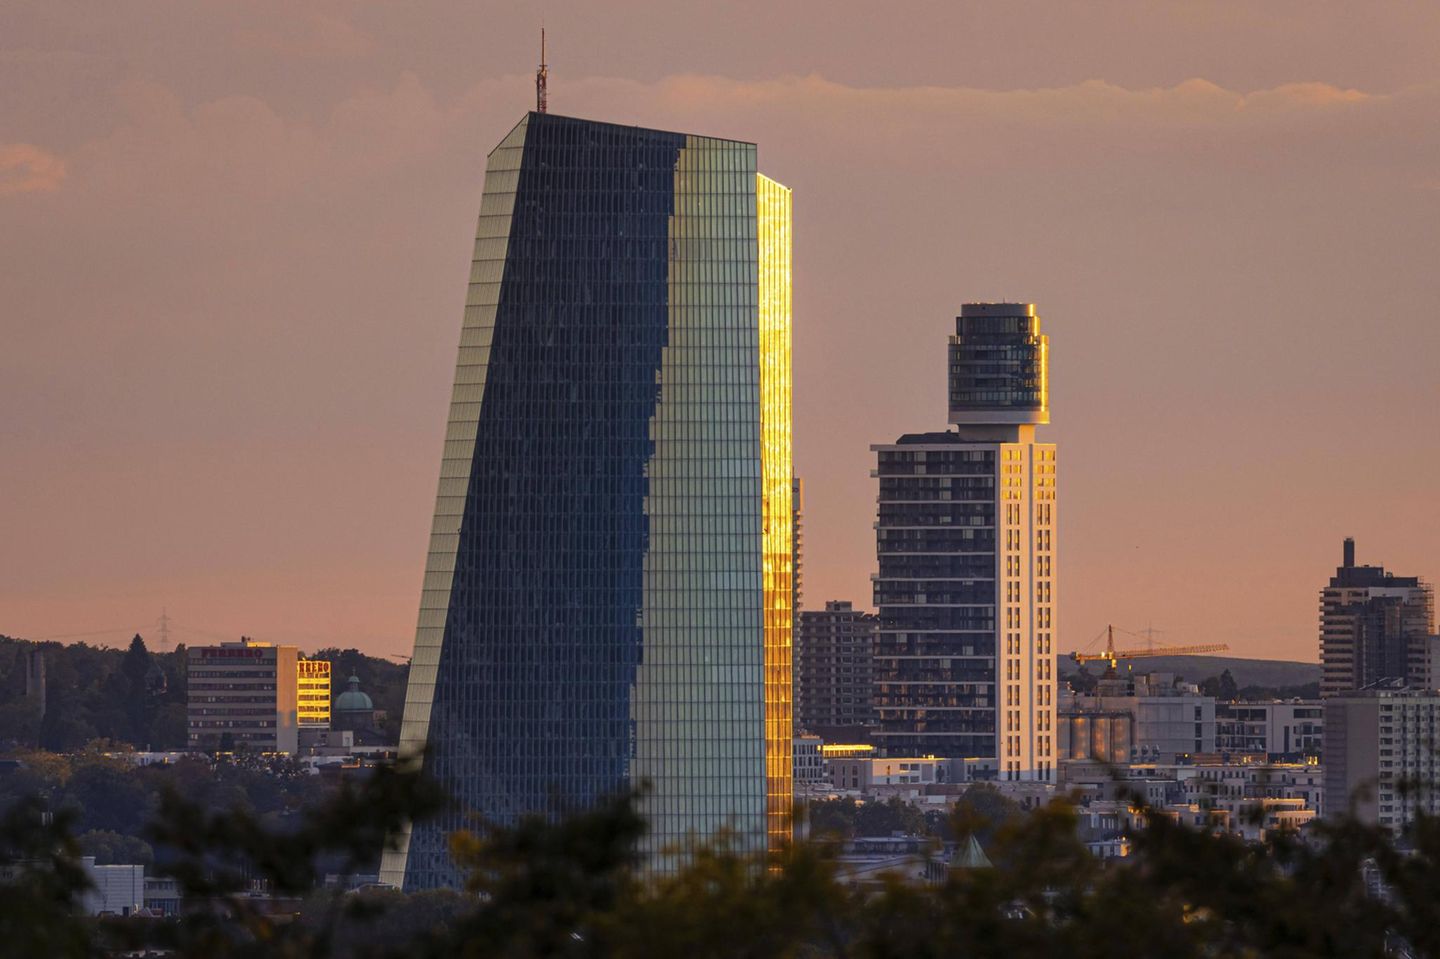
<point x="540" y="76"/>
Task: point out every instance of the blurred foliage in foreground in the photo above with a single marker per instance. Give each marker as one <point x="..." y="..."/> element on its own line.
<point x="571" y="889"/>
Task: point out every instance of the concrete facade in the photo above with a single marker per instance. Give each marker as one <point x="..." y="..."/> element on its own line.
<point x="1380" y="755"/>
<point x="244" y="695"/>
<point x="1278" y="730"/>
<point x="1140" y="719"/>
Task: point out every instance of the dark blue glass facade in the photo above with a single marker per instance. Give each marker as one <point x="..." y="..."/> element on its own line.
<point x="543" y="636"/>
<point x="607" y="598"/>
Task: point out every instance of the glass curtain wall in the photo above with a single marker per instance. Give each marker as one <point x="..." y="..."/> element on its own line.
<point x="602" y="604"/>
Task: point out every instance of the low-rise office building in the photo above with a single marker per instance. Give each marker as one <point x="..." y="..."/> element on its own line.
<point x="867" y="774"/>
<point x="1290" y="730"/>
<point x="892" y="775"/>
<point x="809" y="760"/>
<point x="163" y="896"/>
<point x="1284" y="789"/>
<point x="1230" y="795"/>
<point x="247" y="695"/>
<point x="116" y="890"/>
<point x="1149" y="718"/>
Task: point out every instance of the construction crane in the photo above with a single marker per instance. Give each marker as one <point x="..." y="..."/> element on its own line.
<point x="1112" y="655"/>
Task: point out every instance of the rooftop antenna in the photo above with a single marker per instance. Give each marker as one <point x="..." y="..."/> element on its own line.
<point x="541" y="75"/>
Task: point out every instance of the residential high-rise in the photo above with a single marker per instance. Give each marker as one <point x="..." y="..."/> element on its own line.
<point x="966" y="543"/>
<point x="833" y="651"/>
<point x="1375" y="627"/>
<point x="1380" y="754"/>
<point x="608" y="593"/>
<point x="797" y="545"/>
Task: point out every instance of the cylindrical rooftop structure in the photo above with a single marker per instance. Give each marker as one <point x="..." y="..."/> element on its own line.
<point x="999" y="366"/>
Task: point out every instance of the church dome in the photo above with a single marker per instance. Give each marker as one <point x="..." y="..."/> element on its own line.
<point x="353" y="700"/>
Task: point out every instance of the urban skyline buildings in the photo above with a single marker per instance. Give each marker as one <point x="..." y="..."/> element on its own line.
<point x="1380" y="756"/>
<point x="966" y="544"/>
<point x="254" y="696"/>
<point x="797" y="545"/>
<point x="1375" y="627"/>
<point x="608" y="594"/>
<point x="834" y="656"/>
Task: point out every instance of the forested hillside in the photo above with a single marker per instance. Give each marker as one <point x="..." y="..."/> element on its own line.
<point x="136" y="696"/>
<point x="127" y="696"/>
<point x="1268" y="673"/>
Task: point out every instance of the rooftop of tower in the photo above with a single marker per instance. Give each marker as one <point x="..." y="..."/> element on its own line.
<point x="534" y="116"/>
<point x="998" y="309"/>
<point x="1349" y="575"/>
<point x="998" y="368"/>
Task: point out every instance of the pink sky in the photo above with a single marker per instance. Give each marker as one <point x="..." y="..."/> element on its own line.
<point x="235" y="241"/>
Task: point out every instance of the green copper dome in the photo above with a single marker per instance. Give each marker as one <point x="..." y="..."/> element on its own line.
<point x="353" y="700"/>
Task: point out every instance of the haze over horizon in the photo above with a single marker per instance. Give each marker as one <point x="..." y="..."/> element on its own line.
<point x="237" y="241"/>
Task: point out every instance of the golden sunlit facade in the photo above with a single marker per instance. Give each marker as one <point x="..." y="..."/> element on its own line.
<point x="846" y="750"/>
<point x="777" y="471"/>
<point x="966" y="538"/>
<point x="312" y="692"/>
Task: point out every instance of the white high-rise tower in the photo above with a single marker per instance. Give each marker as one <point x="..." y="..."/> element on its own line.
<point x="966" y="540"/>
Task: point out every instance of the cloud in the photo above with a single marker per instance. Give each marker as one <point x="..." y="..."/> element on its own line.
<point x="272" y="279"/>
<point x="1306" y="96"/>
<point x="1186" y="114"/>
<point x="317" y="36"/>
<point x="1085" y="101"/>
<point x="25" y="168"/>
<point x="249" y="145"/>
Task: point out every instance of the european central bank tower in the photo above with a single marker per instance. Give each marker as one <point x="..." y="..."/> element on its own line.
<point x="964" y="654"/>
<point x="608" y="591"/>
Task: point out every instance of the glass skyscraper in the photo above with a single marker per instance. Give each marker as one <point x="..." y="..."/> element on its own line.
<point x="966" y="542"/>
<point x="608" y="591"/>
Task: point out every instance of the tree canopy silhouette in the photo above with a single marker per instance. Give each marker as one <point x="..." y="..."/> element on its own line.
<point x="574" y="888"/>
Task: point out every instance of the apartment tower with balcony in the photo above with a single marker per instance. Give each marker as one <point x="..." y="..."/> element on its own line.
<point x="966" y="536"/>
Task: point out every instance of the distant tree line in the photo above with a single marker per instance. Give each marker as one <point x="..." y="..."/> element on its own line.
<point x="382" y="680"/>
<point x="1226" y="690"/>
<point x="137" y="696"/>
<point x="130" y="696"/>
<point x="110" y="802"/>
<point x="981" y="804"/>
<point x="1223" y="687"/>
